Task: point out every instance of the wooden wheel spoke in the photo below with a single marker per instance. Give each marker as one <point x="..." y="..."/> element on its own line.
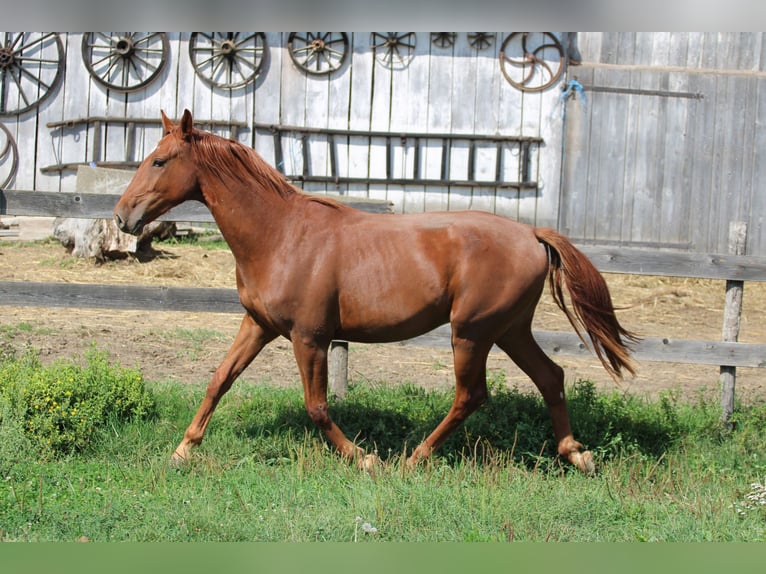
<point x="227" y="59"/>
<point x="318" y="53"/>
<point x="30" y="69"/>
<point x="125" y="61"/>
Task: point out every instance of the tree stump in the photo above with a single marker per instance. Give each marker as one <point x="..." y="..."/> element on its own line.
<point x="100" y="238"/>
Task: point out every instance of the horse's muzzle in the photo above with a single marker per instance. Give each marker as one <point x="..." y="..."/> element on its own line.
<point x="124" y="226"/>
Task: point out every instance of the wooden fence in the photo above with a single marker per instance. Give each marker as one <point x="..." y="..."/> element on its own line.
<point x="733" y="268"/>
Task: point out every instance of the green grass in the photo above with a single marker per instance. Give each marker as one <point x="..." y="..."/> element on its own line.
<point x="667" y="471"/>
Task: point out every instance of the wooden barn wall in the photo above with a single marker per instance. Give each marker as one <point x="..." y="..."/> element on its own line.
<point x="667" y="146"/>
<point x="455" y="90"/>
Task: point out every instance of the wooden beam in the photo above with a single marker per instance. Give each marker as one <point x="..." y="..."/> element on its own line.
<point x="101" y="205"/>
<point x="192" y="299"/>
<point x="654" y="349"/>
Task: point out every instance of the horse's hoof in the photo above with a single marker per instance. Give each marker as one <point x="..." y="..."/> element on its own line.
<point x="583" y="461"/>
<point x="177" y="461"/>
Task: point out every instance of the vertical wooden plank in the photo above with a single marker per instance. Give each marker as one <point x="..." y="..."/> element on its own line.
<point x="293" y="112"/>
<point x="316" y="106"/>
<point x="70" y="144"/>
<point x="406" y="108"/>
<point x="440" y="115"/>
<point x="731" y="319"/>
<point x="482" y="92"/>
<point x="168" y="95"/>
<point x="701" y="158"/>
<point x="632" y="153"/>
<point x="241" y="106"/>
<point x="678" y="43"/>
<point x="338" y="105"/>
<point x="626" y="48"/>
<point x="589" y="44"/>
<point x="644" y="49"/>
<point x="577" y="135"/>
<point x="674" y="205"/>
<point x="510" y="121"/>
<point x="609" y="173"/>
<point x="650" y="167"/>
<point x="380" y="120"/>
<point x="486" y="93"/>
<point x="761" y="52"/>
<point x="549" y="155"/>
<point x="694" y="51"/>
<point x="360" y="108"/>
<point x="660" y="49"/>
<point x="267" y="97"/>
<point x="36" y="141"/>
<point x="757" y="231"/>
<point x="729" y="130"/>
<point x="413" y="103"/>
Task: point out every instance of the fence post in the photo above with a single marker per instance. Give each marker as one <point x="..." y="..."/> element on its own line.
<point x="338" y="369"/>
<point x="732" y="315"/>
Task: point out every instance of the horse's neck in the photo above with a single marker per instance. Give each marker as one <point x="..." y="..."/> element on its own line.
<point x="251" y="217"/>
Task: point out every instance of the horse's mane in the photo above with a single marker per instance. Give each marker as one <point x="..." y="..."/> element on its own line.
<point x="232" y="160"/>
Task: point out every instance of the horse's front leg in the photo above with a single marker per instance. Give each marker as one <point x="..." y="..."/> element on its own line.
<point x="249" y="341"/>
<point x="312" y="363"/>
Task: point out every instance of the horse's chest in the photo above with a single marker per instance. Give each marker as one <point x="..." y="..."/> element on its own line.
<point x="270" y="312"/>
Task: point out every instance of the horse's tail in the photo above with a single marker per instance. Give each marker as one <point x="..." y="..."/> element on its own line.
<point x="590" y="300"/>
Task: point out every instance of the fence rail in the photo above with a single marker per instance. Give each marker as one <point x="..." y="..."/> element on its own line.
<point x="732" y="268"/>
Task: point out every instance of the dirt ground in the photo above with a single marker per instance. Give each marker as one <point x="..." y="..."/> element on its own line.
<point x="187" y="347"/>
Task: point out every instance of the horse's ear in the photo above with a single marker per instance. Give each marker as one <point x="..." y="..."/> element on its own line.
<point x="167" y="124"/>
<point x="187" y="123"/>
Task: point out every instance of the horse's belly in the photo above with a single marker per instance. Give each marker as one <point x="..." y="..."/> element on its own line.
<point x="385" y="320"/>
<point x="388" y="333"/>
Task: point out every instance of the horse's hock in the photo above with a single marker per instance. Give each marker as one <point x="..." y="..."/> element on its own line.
<point x="100" y="238"/>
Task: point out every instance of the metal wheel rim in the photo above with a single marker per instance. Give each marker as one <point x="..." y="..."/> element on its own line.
<point x="531" y="61"/>
<point x="318" y="53"/>
<point x="227" y="59"/>
<point x="125" y="61"/>
<point x="30" y="69"/>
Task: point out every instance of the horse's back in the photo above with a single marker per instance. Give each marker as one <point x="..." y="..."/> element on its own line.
<point x="422" y="270"/>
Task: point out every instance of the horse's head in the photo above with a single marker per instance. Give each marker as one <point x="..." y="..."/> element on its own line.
<point x="165" y="178"/>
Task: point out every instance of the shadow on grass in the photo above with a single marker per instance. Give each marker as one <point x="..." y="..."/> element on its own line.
<point x="516" y="424"/>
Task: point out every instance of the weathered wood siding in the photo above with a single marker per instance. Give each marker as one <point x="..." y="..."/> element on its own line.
<point x="668" y="145"/>
<point x="458" y="89"/>
<point x="664" y="150"/>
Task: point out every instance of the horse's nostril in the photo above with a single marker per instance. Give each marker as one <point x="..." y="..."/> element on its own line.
<point x="118" y="221"/>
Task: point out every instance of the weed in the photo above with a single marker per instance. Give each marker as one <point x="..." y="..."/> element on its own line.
<point x="57" y="408"/>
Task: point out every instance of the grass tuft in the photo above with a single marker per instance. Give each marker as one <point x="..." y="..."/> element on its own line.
<point x="666" y="469"/>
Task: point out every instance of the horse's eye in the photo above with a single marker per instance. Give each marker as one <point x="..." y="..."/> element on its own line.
<point x="159" y="162"/>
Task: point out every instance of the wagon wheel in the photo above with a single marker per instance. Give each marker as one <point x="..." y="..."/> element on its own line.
<point x="318" y="53"/>
<point x="125" y="61"/>
<point x="443" y="39"/>
<point x="227" y="59"/>
<point x="481" y="40"/>
<point x="30" y="69"/>
<point x="531" y="61"/>
<point x="392" y="47"/>
<point x="9" y="155"/>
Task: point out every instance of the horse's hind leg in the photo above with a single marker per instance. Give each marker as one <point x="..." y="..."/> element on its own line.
<point x="249" y="341"/>
<point x="470" y="392"/>
<point x="522" y="348"/>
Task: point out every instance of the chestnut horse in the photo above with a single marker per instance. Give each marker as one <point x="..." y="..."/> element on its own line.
<point x="312" y="270"/>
